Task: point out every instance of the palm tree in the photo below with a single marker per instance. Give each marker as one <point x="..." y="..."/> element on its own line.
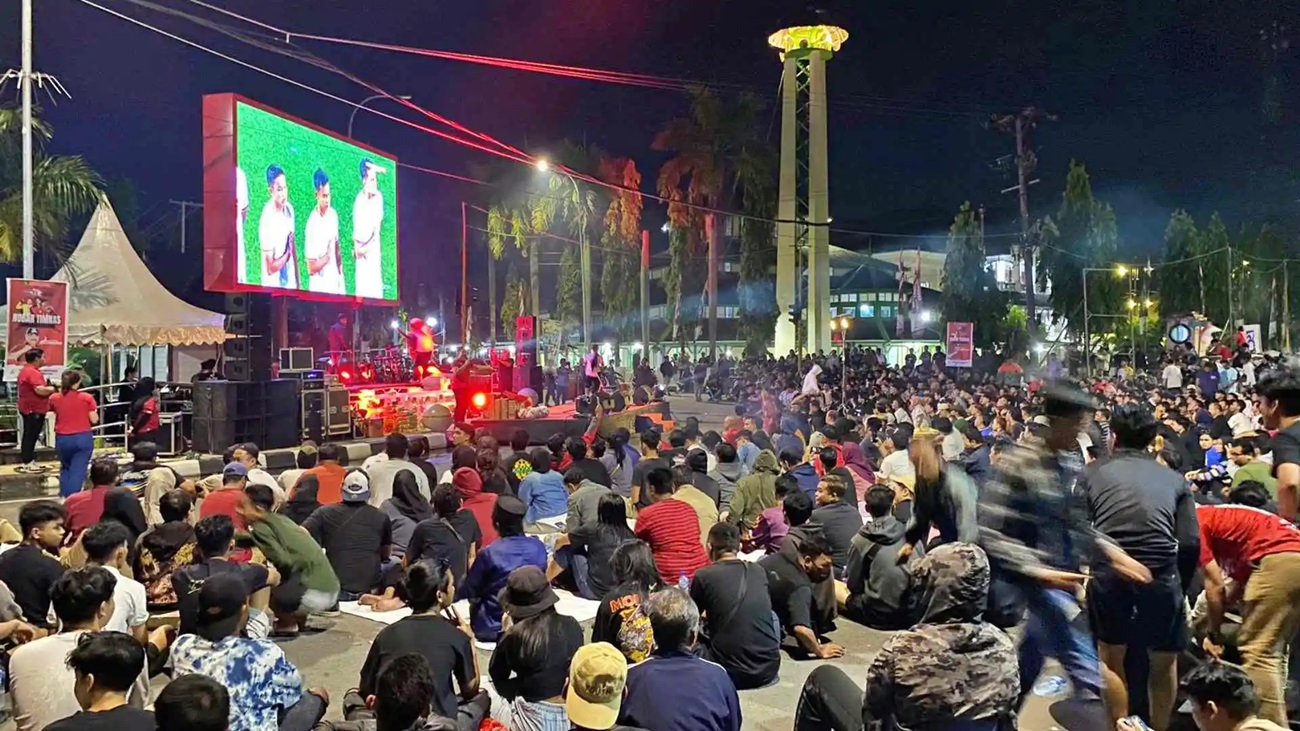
<point x="64" y="187"/>
<point x="573" y="203"/>
<point x="721" y="161"/>
<point x="619" y="242"/>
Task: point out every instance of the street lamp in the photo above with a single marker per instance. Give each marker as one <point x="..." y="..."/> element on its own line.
<point x="543" y="165"/>
<point x="352" y="117"/>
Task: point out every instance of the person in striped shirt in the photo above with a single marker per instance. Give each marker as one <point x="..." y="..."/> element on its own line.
<point x="672" y="530"/>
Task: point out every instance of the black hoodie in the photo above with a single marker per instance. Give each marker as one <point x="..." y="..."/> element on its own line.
<point x="878" y="587"/>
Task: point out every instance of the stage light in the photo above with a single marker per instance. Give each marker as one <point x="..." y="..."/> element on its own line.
<point x="543" y="165"/>
<point x="345" y="374"/>
<point x="1039" y="348"/>
<point x="479" y="400"/>
<point x="366" y="373"/>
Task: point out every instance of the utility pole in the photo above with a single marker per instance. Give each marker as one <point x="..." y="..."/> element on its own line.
<point x="1286" y="310"/>
<point x="29" y="247"/>
<point x="493" y="312"/>
<point x="645" y="296"/>
<point x="185" y="206"/>
<point x="713" y="225"/>
<point x="1021" y="125"/>
<point x="464" y="276"/>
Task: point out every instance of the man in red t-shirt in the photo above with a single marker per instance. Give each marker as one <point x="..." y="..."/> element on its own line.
<point x="672" y="529"/>
<point x="226" y="499"/>
<point x="33" y="404"/>
<point x="1261" y="552"/>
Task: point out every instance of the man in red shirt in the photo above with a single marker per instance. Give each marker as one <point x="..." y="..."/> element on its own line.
<point x="33" y="404"/>
<point x="1261" y="552"/>
<point x="226" y="499"/>
<point x="85" y="508"/>
<point x="672" y="529"/>
<point x="329" y="475"/>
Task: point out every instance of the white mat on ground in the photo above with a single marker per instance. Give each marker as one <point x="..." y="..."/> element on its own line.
<point x="583" y="610"/>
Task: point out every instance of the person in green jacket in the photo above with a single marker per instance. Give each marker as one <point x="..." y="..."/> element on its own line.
<point x="755" y="492"/>
<point x="1244" y="452"/>
<point x="308" y="583"/>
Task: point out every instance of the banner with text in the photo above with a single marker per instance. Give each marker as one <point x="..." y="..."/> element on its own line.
<point x="961" y="344"/>
<point x="38" y="318"/>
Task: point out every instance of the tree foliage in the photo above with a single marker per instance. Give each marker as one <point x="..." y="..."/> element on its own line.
<point x="1085" y="236"/>
<point x="620" y="245"/>
<point x="568" y="290"/>
<point x="970" y="291"/>
<point x="515" y="301"/>
<point x="1179" y="277"/>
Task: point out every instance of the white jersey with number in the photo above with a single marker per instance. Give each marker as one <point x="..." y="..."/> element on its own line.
<point x="321" y="240"/>
<point x="275" y="234"/>
<point x="367" y="218"/>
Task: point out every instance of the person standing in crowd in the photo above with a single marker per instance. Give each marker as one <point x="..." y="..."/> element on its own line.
<point x="1143" y="507"/>
<point x="494" y="564"/>
<point x="874" y="592"/>
<point x="839" y="519"/>
<point x="739" y="631"/>
<point x="144" y="417"/>
<point x="952" y="669"/>
<point x="451" y="536"/>
<point x="34" y="393"/>
<point x="619" y="619"/>
<point x="435" y="632"/>
<point x="193" y="703"/>
<point x="266" y="690"/>
<point x="105" y="666"/>
<point x="31" y="568"/>
<point x="703" y="698"/>
<point x="592" y="365"/>
<point x="1261" y="553"/>
<point x="672" y="530"/>
<point x="944" y="498"/>
<point x="357" y="537"/>
<point x="382" y="473"/>
<point x="1279" y="404"/>
<point x="531" y="660"/>
<point x="75" y="415"/>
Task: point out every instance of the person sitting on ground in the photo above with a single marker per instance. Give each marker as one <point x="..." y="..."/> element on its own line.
<point x="304" y="459"/>
<point x="31" y="568"/>
<point x="951" y="666"/>
<point x="401" y="701"/>
<point x="733" y="598"/>
<point x="406" y="509"/>
<point x="791" y="575"/>
<point x="451" y="536"/>
<point x="619" y="619"/>
<point x="650" y="459"/>
<point x="213" y="539"/>
<point x="266" y="690"/>
<point x="672" y="530"/>
<point x="250" y="456"/>
<point x="105" y="666"/>
<point x="106" y="546"/>
<point x="150" y="479"/>
<point x="419" y="456"/>
<point x="706" y="511"/>
<point x="193" y="703"/>
<point x="165" y="548"/>
<point x="584" y="497"/>
<point x="577" y="449"/>
<point x="1223" y="698"/>
<point x="839" y="518"/>
<point x="381" y="474"/>
<point x="494" y="564"/>
<point x="226" y="499"/>
<point x="304" y="500"/>
<point x="585" y="551"/>
<point x="480" y="504"/>
<point x="85" y="508"/>
<point x="593" y="697"/>
<point x="703" y="698"/>
<point x="772" y="527"/>
<point x="755" y="492"/>
<point x="794" y="464"/>
<point x="728" y="472"/>
<point x="697" y="460"/>
<point x="307" y="582"/>
<point x="875" y="589"/>
<point x="531" y="660"/>
<point x="543" y="490"/>
<point x="329" y="473"/>
<point x="357" y="537"/>
<point x="518" y="464"/>
<point x="436" y="632"/>
<point x="40" y="682"/>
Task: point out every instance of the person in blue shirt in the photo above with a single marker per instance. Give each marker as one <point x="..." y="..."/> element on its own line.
<point x="793" y="463"/>
<point x="543" y="490"/>
<point x="492" y="567"/>
<point x="703" y="697"/>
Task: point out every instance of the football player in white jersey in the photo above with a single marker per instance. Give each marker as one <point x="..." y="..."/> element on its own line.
<point x="367" y="218"/>
<point x="321" y="241"/>
<point x="276" y="234"/>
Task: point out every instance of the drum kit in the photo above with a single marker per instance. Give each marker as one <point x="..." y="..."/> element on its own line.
<point x="389" y="365"/>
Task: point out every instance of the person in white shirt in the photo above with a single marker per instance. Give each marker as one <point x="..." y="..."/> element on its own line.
<point x="249" y="455"/>
<point x="321" y="241"/>
<point x="1248" y="372"/>
<point x="105" y="545"/>
<point x="897" y="463"/>
<point x="275" y="233"/>
<point x="381" y="473"/>
<point x="367" y="218"/>
<point x="1172" y="376"/>
<point x="241" y="215"/>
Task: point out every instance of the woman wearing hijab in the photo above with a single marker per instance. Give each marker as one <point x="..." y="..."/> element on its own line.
<point x="405" y="509"/>
<point x="469" y="485"/>
<point x="143" y="417"/>
<point x="858" y="468"/>
<point x="305" y="498"/>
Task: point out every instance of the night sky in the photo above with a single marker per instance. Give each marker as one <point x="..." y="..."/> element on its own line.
<point x="1161" y="99"/>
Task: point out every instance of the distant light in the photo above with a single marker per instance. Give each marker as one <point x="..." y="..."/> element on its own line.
<point x="1245" y="262"/>
<point x="543" y="164"/>
<point x="1149" y="303"/>
<point x="1040" y="348"/>
<point x="926" y="315"/>
<point x="511" y="348"/>
<point x="728" y="352"/>
<point x="829" y="219"/>
<point x="394" y="324"/>
<point x="433" y="321"/>
<point x="637" y="345"/>
<point x="1131" y="304"/>
<point x="1121" y="271"/>
<point x="665" y="228"/>
<point x="606" y="346"/>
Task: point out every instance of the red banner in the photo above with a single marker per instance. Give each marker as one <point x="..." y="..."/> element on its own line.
<point x="961" y="344"/>
<point x="38" y="318"/>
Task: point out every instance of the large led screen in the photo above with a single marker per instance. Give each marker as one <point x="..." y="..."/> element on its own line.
<point x="310" y="213"/>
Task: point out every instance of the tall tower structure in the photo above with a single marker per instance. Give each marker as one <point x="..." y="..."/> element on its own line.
<point x="803" y="203"/>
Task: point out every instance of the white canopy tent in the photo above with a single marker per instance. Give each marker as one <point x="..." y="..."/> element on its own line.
<point x="115" y="300"/>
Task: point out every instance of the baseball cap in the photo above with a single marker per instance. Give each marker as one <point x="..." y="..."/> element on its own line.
<point x="235" y="469"/>
<point x="597" y="676"/>
<point x="356" y="487"/>
<point x="221" y="603"/>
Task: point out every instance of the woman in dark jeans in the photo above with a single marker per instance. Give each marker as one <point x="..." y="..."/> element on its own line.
<point x="530" y="666"/>
<point x="75" y="415"/>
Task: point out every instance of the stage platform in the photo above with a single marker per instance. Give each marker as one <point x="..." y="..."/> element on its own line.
<point x="564" y="419"/>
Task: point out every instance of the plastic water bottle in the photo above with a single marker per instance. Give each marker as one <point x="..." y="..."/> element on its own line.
<point x="1052" y="685"/>
<point x="683" y="583"/>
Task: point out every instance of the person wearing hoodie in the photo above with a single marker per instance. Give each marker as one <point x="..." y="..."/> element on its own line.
<point x="754" y="493"/>
<point x="875" y="586"/>
<point x="584" y="499"/>
<point x="480" y="504"/>
<point x="698" y="461"/>
<point x="543" y="490"/>
<point x="726" y="474"/>
<point x="793" y="463"/>
<point x="950" y="667"/>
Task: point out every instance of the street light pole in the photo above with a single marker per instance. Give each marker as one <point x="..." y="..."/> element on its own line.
<point x="353" y="117"/>
<point x="584" y="250"/>
<point x="26" y="81"/>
